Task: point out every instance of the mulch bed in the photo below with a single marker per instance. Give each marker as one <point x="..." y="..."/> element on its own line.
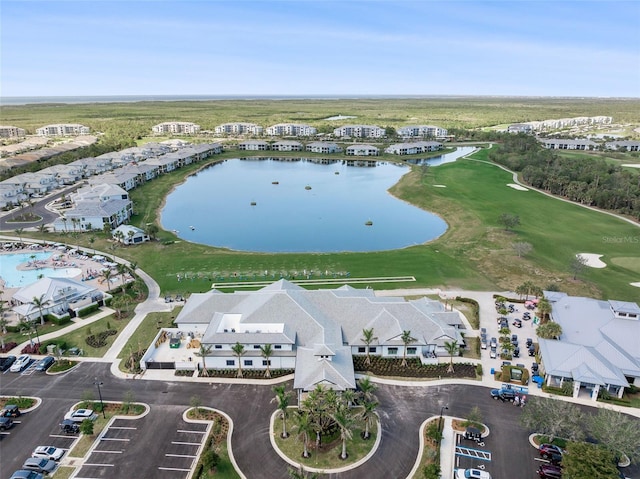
<point x="414" y="369"/>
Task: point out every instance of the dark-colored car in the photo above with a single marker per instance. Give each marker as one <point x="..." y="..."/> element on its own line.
<point x="532" y="351"/>
<point x="514" y="339"/>
<point x="549" y="471"/>
<point x="516" y="352"/>
<point x="45" y="363"/>
<point x="529" y="342"/>
<point x="5" y="423"/>
<point x="7" y="363"/>
<point x="534" y="368"/>
<point x="10" y="410"/>
<point x="69" y="427"/>
<point x="517" y="323"/>
<point x="504" y="394"/>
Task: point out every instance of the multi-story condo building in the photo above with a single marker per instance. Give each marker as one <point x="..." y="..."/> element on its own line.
<point x="239" y="129"/>
<point x="176" y="128"/>
<point x="422" y="131"/>
<point x="413" y="148"/>
<point x="11" y="132"/>
<point x="323" y="147"/>
<point x="291" y="129"/>
<point x="360" y="131"/>
<point x="63" y="129"/>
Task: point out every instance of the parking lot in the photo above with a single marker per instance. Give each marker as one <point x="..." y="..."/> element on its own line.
<point x="160" y="444"/>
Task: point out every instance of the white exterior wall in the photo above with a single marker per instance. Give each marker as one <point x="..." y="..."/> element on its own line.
<point x="277" y="362"/>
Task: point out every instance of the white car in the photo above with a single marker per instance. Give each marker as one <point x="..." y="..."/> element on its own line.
<point x="48" y="452"/>
<point x="80" y="415"/>
<point x="21" y="363"/>
<point x="471" y="474"/>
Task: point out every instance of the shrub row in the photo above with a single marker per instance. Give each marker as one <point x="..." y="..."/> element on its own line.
<point x="415" y="369"/>
<point x="475" y="310"/>
<point x="88" y="310"/>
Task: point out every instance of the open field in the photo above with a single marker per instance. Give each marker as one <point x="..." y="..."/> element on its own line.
<point x="137" y="118"/>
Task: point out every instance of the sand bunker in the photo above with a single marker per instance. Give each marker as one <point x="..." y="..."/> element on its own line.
<point x="637" y="285"/>
<point x="592" y="260"/>
<point x="517" y="187"/>
<point x="439" y="186"/>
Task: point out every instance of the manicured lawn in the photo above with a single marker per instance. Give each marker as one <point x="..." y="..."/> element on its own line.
<point x="78" y="337"/>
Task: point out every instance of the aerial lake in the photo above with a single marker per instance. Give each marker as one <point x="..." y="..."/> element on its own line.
<point x="300" y="205"/>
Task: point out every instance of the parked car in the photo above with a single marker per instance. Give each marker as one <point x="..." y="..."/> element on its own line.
<point x="517" y="323"/>
<point x="471" y="474"/>
<point x="529" y="342"/>
<point x="10" y="410"/>
<point x="7" y="362"/>
<point x="493" y="354"/>
<point x="514" y="339"/>
<point x="483" y="330"/>
<point x="48" y="452"/>
<point x="69" y="427"/>
<point x="546" y="450"/>
<point x="549" y="471"/>
<point x="38" y="464"/>
<point x="532" y="350"/>
<point x="22" y="474"/>
<point x="5" y="423"/>
<point x="21" y="363"/>
<point x="494" y="343"/>
<point x="534" y="368"/>
<point x="504" y="394"/>
<point x="516" y="352"/>
<point x="80" y="415"/>
<point x="483" y="343"/>
<point x="504" y="324"/>
<point x="45" y="363"/>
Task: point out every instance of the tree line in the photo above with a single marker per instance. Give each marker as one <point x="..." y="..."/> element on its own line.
<point x="589" y="181"/>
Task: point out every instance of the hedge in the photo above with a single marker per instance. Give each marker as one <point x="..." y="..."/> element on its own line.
<point x="88" y="310"/>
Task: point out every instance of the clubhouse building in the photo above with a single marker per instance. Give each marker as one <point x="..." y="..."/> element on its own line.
<point x="315" y="332"/>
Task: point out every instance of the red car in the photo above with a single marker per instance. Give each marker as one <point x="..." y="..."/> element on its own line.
<point x="549" y="471"/>
<point x="548" y="450"/>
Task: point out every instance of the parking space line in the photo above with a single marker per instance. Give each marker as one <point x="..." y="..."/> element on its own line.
<point x="180" y="455"/>
<point x="475" y="453"/>
<point x="97" y="465"/>
<point x="187" y="443"/>
<point x="114" y="439"/>
<point x="174" y="469"/>
<point x="122" y="427"/>
<point x="63" y="435"/>
<point x="4" y="433"/>
<point x="197" y="432"/>
<point x="107" y="452"/>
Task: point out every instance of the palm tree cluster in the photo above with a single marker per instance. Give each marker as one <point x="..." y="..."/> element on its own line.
<point x="324" y="410"/>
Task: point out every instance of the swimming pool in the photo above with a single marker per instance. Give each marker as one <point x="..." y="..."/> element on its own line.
<point x="15" y="278"/>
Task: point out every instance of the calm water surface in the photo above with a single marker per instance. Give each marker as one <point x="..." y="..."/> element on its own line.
<point x="238" y="205"/>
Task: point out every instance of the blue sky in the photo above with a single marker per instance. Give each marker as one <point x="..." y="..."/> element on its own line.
<point x="306" y="47"/>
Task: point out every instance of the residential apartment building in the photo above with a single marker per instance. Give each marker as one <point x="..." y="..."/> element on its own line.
<point x="291" y="129"/>
<point x="323" y="147"/>
<point x="63" y="129"/>
<point x="520" y="128"/>
<point x="287" y="145"/>
<point x="254" y="145"/>
<point x="623" y="145"/>
<point x="11" y="132"/>
<point x="421" y="131"/>
<point x="176" y="128"/>
<point x="413" y="148"/>
<point x="362" y="150"/>
<point x="560" y="144"/>
<point x="239" y="128"/>
<point x="360" y="131"/>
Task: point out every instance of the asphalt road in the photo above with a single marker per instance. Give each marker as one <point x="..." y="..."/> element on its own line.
<point x="38" y="208"/>
<point x="402" y="410"/>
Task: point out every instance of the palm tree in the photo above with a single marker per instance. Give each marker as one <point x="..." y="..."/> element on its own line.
<point x="282" y="402"/>
<point x="106" y="274"/>
<point x="130" y="235"/>
<point x="92" y="239"/>
<point x="544" y="309"/>
<point x="4" y="322"/>
<point x="367" y="389"/>
<point x="406" y="339"/>
<point x="267" y="351"/>
<point x="452" y="349"/>
<point x="64" y="220"/>
<point x="238" y="351"/>
<point x="40" y="303"/>
<point x="367" y="339"/>
<point x="549" y="330"/>
<point x="203" y="352"/>
<point x="304" y="428"/>
<point x="368" y="416"/>
<point x="19" y="232"/>
<point x="345" y="421"/>
<point x="43" y="228"/>
<point x="122" y="270"/>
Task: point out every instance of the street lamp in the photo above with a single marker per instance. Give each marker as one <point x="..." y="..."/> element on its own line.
<point x="440" y="420"/>
<point x="100" y="383"/>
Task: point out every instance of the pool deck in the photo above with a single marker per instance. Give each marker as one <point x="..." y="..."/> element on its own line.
<point x="76" y="261"/>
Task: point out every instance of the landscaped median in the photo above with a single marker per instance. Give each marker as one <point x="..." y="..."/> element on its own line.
<point x="325" y="458"/>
